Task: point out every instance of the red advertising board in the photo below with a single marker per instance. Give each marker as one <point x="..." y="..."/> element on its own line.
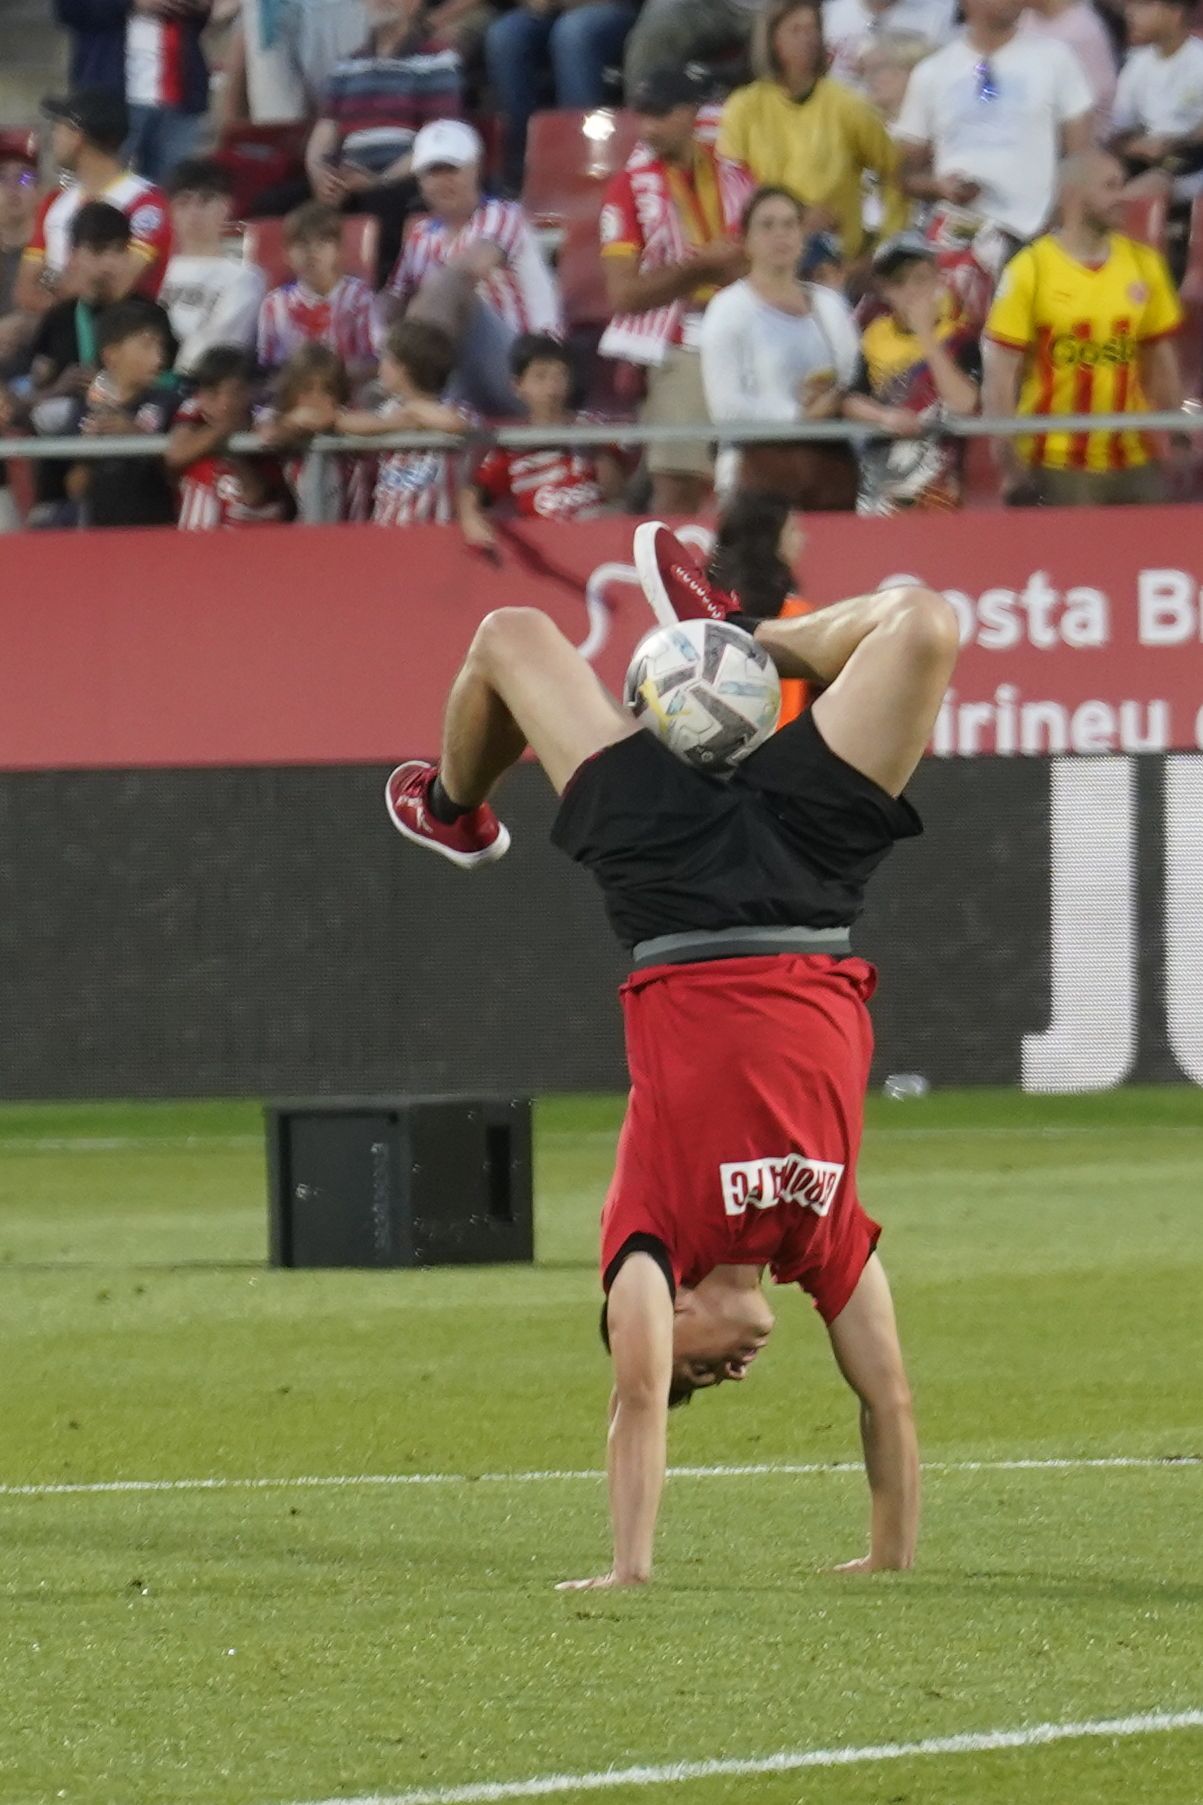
<point x="1083" y="631"/>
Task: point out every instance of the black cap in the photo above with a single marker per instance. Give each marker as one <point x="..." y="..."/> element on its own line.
<point x="99" y="113"/>
<point x="904" y="247"/>
<point x="667" y="87"/>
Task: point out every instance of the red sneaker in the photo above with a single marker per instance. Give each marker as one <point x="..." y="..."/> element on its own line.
<point x="673" y="581"/>
<point x="475" y="839"/>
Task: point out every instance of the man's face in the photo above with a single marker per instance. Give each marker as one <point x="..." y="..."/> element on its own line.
<point x="451" y="189"/>
<point x="102" y="272"/>
<point x="1103" y="196"/>
<point x="668" y="134"/>
<point x="716" y="1335"/>
<point x="1149" y="21"/>
<point x="994" y="15"/>
<point x="18" y="195"/>
<point x="136" y="360"/>
<point x="199" y="218"/>
<point x="315" y="261"/>
<point x="66" y="142"/>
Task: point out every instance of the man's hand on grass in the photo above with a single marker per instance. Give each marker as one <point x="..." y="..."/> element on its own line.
<point x="605" y="1582"/>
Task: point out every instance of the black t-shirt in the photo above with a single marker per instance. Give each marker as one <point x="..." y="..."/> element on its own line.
<point x="66" y="335"/>
<point x="125" y="491"/>
<point x="790" y="839"/>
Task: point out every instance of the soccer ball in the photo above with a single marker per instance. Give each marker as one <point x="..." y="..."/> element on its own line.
<point x="706" y="690"/>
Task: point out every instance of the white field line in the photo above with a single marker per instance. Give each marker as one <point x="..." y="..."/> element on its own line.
<point x="132" y="1143"/>
<point x="790" y="1761"/>
<point x="754" y="1470"/>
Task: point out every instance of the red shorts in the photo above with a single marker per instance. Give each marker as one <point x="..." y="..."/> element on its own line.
<point x="744" y="1122"/>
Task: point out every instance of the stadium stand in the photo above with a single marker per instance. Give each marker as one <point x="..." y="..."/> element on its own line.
<point x="570" y="156"/>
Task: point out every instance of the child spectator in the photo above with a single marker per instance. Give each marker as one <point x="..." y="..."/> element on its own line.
<point x="322" y="304"/>
<point x="549" y="482"/>
<point x="217" y="486"/>
<point x="63" y="353"/>
<point x="308" y="395"/>
<point x="127" y="397"/>
<point x="920" y="361"/>
<point x="212" y="299"/>
<point x="419" y="486"/>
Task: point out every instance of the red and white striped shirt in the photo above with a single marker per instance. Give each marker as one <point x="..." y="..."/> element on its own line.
<point x="154" y="61"/>
<point x="418" y="488"/>
<point x="293" y="315"/>
<point x="211" y="493"/>
<point x="522" y="292"/>
<point x="548" y="482"/>
<point x="145" y="206"/>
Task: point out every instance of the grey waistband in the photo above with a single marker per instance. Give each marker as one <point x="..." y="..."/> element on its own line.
<point x="738" y="943"/>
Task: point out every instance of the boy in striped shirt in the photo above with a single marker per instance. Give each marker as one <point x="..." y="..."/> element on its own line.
<point x="550" y="482"/>
<point x="217" y="487"/>
<point x="322" y="305"/>
<point x="415" y="488"/>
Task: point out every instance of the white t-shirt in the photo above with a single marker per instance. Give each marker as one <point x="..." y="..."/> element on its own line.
<point x="755" y="357"/>
<point x="996" y="120"/>
<point x="212" y="301"/>
<point x="850" y="27"/>
<point x="1163" y="95"/>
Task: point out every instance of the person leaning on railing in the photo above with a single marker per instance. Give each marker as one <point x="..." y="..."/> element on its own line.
<point x="1083" y="322"/>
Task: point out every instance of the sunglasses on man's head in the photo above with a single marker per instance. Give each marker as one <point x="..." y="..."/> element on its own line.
<point x="987" y="87"/>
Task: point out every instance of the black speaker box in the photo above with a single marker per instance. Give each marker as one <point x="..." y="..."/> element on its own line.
<point x="399" y="1181"/>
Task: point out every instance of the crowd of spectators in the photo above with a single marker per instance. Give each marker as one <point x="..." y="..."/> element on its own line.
<point x="874" y="212"/>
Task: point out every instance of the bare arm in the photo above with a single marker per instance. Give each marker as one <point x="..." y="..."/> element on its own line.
<point x="632" y="290"/>
<point x="1077" y="135"/>
<point x="641" y="1343"/>
<point x="190" y="440"/>
<point x="1161" y="375"/>
<point x="864" y="1340"/>
<point x="1002" y="370"/>
<point x="915" y="177"/>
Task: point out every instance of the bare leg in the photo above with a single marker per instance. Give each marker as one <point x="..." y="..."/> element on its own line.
<point x="864" y="1339"/>
<point x="523" y="684"/>
<point x="886" y="659"/>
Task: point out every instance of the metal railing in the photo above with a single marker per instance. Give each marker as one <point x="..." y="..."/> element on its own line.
<point x="617" y="432"/>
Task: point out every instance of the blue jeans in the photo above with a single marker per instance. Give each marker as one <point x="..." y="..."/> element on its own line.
<point x="161" y="137"/>
<point x="530" y="56"/>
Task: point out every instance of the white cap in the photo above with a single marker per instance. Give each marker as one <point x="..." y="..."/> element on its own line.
<point x="447" y="141"/>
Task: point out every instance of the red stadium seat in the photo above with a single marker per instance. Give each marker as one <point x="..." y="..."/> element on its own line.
<point x="263" y="244"/>
<point x="1145" y="219"/>
<point x="259" y="157"/>
<point x="570" y="156"/>
<point x="19" y="141"/>
<point x="582" y="275"/>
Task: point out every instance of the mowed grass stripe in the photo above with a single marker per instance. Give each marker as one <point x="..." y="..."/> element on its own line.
<point x="788" y="1761"/>
<point x="538" y="1476"/>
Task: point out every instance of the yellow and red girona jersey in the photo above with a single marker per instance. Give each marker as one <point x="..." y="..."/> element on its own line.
<point x="1082" y="328"/>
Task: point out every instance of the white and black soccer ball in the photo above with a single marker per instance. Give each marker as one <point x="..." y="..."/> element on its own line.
<point x="706" y="689"/>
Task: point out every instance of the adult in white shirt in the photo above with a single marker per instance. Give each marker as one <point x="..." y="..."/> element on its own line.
<point x="851" y="27"/>
<point x="1158" y="114"/>
<point x="212" y="299"/>
<point x="986" y="120"/>
<point x="778" y="349"/>
<point x="1077" y="24"/>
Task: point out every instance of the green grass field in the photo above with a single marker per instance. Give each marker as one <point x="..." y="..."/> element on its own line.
<point x="280" y="1642"/>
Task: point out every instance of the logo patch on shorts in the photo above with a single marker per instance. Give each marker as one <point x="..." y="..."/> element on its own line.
<point x="764" y="1183"/>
